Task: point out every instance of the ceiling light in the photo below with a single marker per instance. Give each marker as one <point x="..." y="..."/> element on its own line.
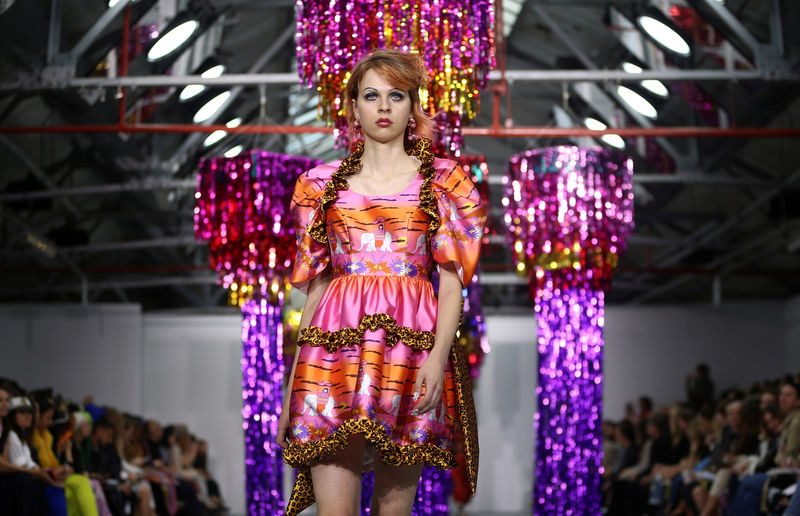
<point x="112" y="3"/>
<point x="611" y="139"/>
<point x="663" y="35"/>
<point x="233" y="151"/>
<point x="614" y="140"/>
<point x="631" y="68"/>
<point x="656" y="87"/>
<point x="214" y="138"/>
<point x="236" y="122"/>
<point x="191" y="91"/>
<point x="172" y="40"/>
<point x="594" y="124"/>
<point x="213" y="72"/>
<point x="637" y="102"/>
<point x="211" y="107"/>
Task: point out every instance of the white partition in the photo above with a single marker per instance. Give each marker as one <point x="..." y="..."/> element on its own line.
<point x="192" y="376"/>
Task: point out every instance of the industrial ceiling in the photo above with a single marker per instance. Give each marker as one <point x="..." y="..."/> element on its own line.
<point x="106" y="216"/>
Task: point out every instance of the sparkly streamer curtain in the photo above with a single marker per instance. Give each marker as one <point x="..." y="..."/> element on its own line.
<point x="456" y="38"/>
<point x="242" y="211"/>
<point x="569" y="211"/>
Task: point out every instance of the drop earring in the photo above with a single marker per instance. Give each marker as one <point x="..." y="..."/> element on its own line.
<point x="412" y="124"/>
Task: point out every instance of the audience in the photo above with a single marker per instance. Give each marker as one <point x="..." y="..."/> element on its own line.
<point x="60" y="458"/>
<point x="736" y="455"/>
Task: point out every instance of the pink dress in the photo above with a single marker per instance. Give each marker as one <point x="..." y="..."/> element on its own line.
<point x="374" y="326"/>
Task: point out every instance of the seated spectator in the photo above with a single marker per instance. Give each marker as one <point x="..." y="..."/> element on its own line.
<point x="80" y="497"/>
<point x="201" y="465"/>
<point x="744" y="449"/>
<point x="106" y="466"/>
<point x="21" y="488"/>
<point x="749" y="498"/>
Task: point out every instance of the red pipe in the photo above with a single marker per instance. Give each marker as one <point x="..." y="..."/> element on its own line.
<point x="499" y="132"/>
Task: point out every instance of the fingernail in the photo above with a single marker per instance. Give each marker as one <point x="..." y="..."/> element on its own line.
<point x="415" y="412"/>
<point x="416" y="396"/>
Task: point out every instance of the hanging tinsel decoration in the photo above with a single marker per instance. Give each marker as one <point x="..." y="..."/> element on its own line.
<point x="242" y="211"/>
<point x="456" y="38"/>
<point x="569" y="211"/>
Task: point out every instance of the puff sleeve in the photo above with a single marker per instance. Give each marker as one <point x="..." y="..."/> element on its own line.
<point x="312" y="256"/>
<point x="462" y="218"/>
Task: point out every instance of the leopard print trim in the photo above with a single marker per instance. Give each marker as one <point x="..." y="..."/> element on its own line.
<point x="301" y="454"/>
<point x="347" y="337"/>
<point x="419" y="148"/>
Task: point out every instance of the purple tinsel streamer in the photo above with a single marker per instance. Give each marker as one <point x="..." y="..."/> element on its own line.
<point x="569" y="211"/>
<point x="242" y="211"/>
<point x="433" y="493"/>
<point x="262" y="378"/>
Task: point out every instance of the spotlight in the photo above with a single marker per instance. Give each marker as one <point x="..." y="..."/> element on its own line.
<point x="218" y="135"/>
<point x="637" y="102"/>
<point x="192" y="90"/>
<point x="652" y="85"/>
<point x="663" y="32"/>
<point x="233" y="151"/>
<point x="214" y="138"/>
<point x="172" y="39"/>
<point x="613" y="140"/>
<point x="211" y="107"/>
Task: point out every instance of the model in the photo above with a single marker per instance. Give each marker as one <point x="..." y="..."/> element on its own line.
<point x="376" y="374"/>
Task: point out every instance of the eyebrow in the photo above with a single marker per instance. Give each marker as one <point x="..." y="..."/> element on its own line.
<point x="376" y="89"/>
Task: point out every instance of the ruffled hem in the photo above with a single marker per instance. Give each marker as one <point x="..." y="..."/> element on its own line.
<point x="300" y="455"/>
<point x="346" y="337"/>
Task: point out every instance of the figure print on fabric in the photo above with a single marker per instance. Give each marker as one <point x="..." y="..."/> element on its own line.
<point x="374" y="325"/>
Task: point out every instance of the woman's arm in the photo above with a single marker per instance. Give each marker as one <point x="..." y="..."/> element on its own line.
<point x="448" y="314"/>
<point x="316" y="288"/>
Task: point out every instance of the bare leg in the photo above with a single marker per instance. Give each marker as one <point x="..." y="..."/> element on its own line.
<point x="395" y="489"/>
<point x="337" y="481"/>
<point x="700" y="497"/>
<point x="711" y="506"/>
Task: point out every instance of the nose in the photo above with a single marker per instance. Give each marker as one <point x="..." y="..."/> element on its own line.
<point x="383" y="105"/>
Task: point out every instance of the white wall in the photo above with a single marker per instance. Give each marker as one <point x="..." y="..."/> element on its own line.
<point x="191" y="375"/>
<point x="78" y="350"/>
<point x="792" y="321"/>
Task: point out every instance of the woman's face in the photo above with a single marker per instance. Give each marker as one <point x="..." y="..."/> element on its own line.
<point x="5" y="403"/>
<point x="382" y="109"/>
<point x="23" y="419"/>
<point x="46" y="419"/>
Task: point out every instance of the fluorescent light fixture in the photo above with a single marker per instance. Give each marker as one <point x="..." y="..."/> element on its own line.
<point x="236" y="122"/>
<point x="211" y="107"/>
<point x="611" y="139"/>
<point x="631" y="68"/>
<point x="636" y="102"/>
<point x="190" y="91"/>
<point x="594" y="124"/>
<point x="213" y="72"/>
<point x="655" y="86"/>
<point x="614" y="140"/>
<point x="233" y="151"/>
<point x="664" y="35"/>
<point x="112" y="3"/>
<point x="214" y="138"/>
<point x="172" y="40"/>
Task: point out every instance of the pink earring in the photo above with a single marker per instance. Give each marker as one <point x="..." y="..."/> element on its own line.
<point x="412" y="124"/>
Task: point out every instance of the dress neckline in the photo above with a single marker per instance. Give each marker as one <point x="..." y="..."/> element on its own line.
<point x="404" y="190"/>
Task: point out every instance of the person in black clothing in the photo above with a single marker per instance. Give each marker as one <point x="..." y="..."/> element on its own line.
<point x="700" y="388"/>
<point x="630" y="495"/>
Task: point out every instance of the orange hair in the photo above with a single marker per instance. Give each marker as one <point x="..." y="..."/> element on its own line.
<point x="404" y="71"/>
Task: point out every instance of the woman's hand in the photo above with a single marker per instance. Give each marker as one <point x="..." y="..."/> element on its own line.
<point x="283" y="427"/>
<point x="430" y="377"/>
